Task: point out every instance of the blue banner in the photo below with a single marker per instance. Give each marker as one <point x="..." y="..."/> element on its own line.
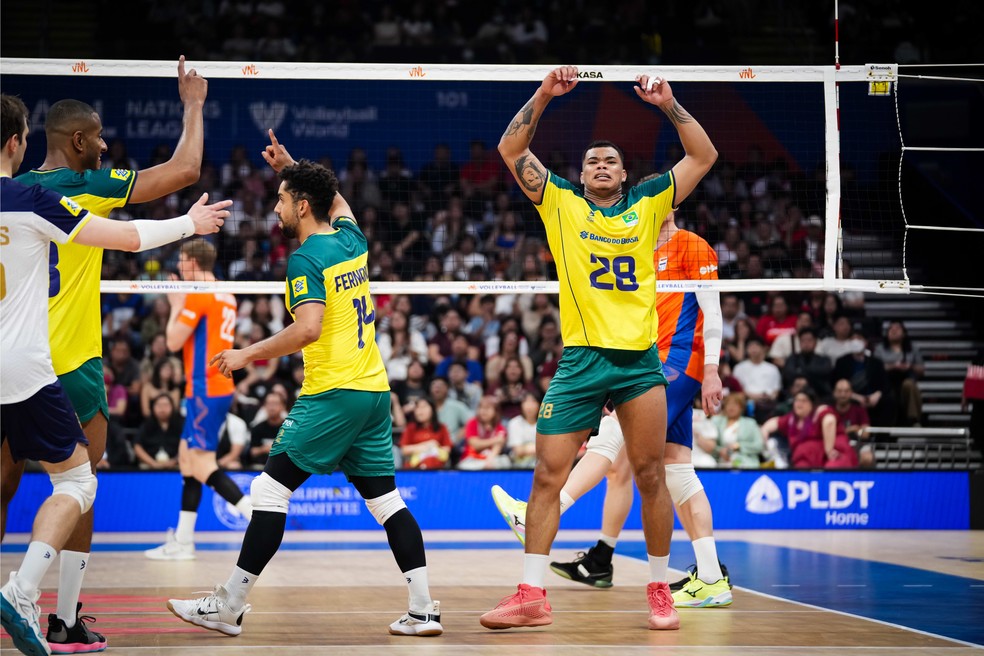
<point x="461" y="500"/>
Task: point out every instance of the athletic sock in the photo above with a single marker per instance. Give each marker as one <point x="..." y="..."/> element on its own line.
<point x="609" y="540"/>
<point x="36" y="562"/>
<point x="566" y="501"/>
<point x="535" y="569"/>
<point x="238" y="586"/>
<point x="245" y="507"/>
<point x="185" y="533"/>
<point x="658" y="566"/>
<point x="419" y="588"/>
<point x="71" y="571"/>
<point x="708" y="567"/>
<point x="602" y="553"/>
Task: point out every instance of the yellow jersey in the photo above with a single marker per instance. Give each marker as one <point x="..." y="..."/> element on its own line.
<point x="332" y="268"/>
<point x="74" y="310"/>
<point x="604" y="258"/>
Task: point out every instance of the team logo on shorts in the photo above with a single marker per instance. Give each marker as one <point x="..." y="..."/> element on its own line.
<point x="74" y="208"/>
<point x="299" y="285"/>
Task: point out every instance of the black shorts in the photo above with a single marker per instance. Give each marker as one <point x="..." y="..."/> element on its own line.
<point x="43" y="427"/>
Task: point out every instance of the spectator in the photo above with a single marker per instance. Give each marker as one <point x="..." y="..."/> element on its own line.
<point x="814" y="435"/>
<point x="510" y="388"/>
<point x="739" y="440"/>
<point x="126" y="372"/>
<point x="157" y="442"/>
<point x="854" y="421"/>
<point x="867" y="376"/>
<point x="787" y="344"/>
<point x="485" y="438"/>
<point x="116" y="397"/>
<point x="904" y="367"/>
<point x="155" y="352"/>
<point x="234" y="437"/>
<point x="737" y="347"/>
<point x="540" y="307"/>
<point x="807" y="364"/>
<point x="459" y="262"/>
<point x="459" y="387"/>
<point x="156" y="321"/>
<point x="521" y="433"/>
<point x="483" y="324"/>
<point x="259" y="373"/>
<point x="425" y="443"/>
<point x="731" y="313"/>
<point x="395" y="180"/>
<point x="399" y="344"/>
<point x="831" y="307"/>
<point x="453" y="413"/>
<point x="549" y="345"/>
<point x="449" y="325"/>
<point x="760" y="379"/>
<point x="264" y="431"/>
<point x="438" y="178"/>
<point x="480" y="175"/>
<point x="511" y="347"/>
<point x="460" y="346"/>
<point x="413" y="387"/>
<point x="162" y="381"/>
<point x="973" y="399"/>
<point x="839" y="342"/>
<point x="703" y="454"/>
<point x="778" y="321"/>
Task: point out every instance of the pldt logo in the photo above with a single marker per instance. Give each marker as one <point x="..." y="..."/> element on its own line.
<point x="765" y="498"/>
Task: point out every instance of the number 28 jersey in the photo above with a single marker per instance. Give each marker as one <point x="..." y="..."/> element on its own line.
<point x="604" y="258"/>
<point x="332" y="268"/>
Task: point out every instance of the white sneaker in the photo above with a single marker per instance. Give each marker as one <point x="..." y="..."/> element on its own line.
<point x="172" y="549"/>
<point x="211" y="612"/>
<point x="20" y="616"/>
<point x="420" y="624"/>
<point x="512" y="510"/>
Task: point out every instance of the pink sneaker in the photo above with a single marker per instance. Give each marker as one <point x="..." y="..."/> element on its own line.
<point x="528" y="607"/>
<point x="662" y="614"/>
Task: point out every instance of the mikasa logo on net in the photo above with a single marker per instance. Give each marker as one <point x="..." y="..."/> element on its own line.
<point x="765" y="498"/>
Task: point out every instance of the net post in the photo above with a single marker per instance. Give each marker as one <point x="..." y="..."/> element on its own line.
<point x="832" y="158"/>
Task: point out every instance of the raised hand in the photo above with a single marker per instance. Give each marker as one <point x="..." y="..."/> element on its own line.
<point x="560" y="80"/>
<point x="208" y="218"/>
<point x="653" y="89"/>
<point x="192" y="87"/>
<point x="276" y="155"/>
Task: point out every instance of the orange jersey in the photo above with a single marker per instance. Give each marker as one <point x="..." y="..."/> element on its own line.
<point x="213" y="317"/>
<point x="685" y="256"/>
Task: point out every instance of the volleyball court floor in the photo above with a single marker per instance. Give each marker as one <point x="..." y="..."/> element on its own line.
<point x="803" y="592"/>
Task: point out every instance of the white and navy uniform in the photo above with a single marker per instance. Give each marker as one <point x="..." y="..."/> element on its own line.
<point x="36" y="415"/>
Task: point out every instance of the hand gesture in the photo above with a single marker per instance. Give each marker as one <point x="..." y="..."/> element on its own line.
<point x="208" y="218"/>
<point x="175" y="299"/>
<point x="710" y="394"/>
<point x="560" y="80"/>
<point x="276" y="155"/>
<point x="653" y="89"/>
<point x="192" y="87"/>
<point x="228" y="361"/>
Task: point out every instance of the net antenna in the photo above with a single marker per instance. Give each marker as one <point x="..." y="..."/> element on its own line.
<point x="491" y="94"/>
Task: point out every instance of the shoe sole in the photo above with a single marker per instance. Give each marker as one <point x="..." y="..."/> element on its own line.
<point x="205" y="624"/>
<point x="601" y="585"/>
<point x="20" y="631"/>
<point x="506" y="515"/>
<point x="517" y="624"/>
<point x="180" y="557"/>
<point x="82" y="648"/>
<point x="424" y="633"/>
<point x="717" y="601"/>
<point x="665" y="624"/>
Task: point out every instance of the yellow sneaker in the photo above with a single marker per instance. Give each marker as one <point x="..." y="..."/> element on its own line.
<point x="513" y="511"/>
<point x="700" y="594"/>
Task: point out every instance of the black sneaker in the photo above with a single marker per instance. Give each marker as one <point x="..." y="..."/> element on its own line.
<point x="692" y="574"/>
<point x="76" y="640"/>
<point x="585" y="569"/>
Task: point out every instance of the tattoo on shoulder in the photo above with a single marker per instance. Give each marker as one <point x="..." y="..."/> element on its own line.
<point x="677" y="113"/>
<point x="529" y="173"/>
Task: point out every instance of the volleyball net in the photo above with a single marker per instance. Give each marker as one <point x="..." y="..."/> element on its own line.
<point x="805" y="195"/>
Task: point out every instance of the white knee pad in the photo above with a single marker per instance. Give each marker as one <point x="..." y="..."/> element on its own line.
<point x="682" y="482"/>
<point x="384" y="507"/>
<point x="78" y="483"/>
<point x="609" y="440"/>
<point x="269" y="495"/>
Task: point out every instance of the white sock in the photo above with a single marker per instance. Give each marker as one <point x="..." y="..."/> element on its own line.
<point x="708" y="567"/>
<point x="185" y="533"/>
<point x="71" y="570"/>
<point x="566" y="501"/>
<point x="238" y="586"/>
<point x="420" y="599"/>
<point x="245" y="507"/>
<point x="658" y="566"/>
<point x="609" y="540"/>
<point x="535" y="569"/>
<point x="37" y="560"/>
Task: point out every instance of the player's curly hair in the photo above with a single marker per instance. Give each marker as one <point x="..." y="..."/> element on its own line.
<point x="313" y="182"/>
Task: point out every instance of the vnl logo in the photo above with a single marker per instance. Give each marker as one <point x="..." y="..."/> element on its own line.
<point x="764" y="497"/>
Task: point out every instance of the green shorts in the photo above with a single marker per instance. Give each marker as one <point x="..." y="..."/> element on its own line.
<point x="339" y="429"/>
<point x="587" y="377"/>
<point x="86" y="389"/>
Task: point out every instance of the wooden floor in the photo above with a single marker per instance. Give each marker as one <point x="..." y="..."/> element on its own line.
<point x="315" y="599"/>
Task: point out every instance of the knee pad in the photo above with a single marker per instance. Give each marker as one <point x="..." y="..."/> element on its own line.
<point x="682" y="482"/>
<point x="268" y="494"/>
<point x="384" y="507"/>
<point x="609" y="440"/>
<point x="78" y="483"/>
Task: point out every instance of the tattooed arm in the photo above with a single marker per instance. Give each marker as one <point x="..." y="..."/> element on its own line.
<point x="514" y="146"/>
<point x="700" y="152"/>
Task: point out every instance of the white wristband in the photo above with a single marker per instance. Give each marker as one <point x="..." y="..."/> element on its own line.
<point x="154" y="234"/>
